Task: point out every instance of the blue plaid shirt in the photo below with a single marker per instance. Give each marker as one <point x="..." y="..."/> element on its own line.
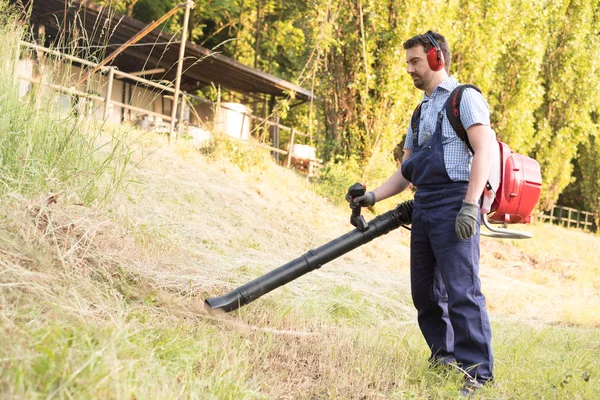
<point x="473" y="110"/>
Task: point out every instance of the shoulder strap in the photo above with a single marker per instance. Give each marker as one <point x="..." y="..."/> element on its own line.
<point x="453" y="112"/>
<point x="414" y="124"/>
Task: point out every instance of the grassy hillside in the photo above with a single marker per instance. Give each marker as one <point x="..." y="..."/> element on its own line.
<point x="101" y="290"/>
<point x="106" y="302"/>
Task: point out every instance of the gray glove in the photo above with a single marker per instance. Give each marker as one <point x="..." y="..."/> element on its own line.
<point x="466" y="220"/>
<point x="366" y="200"/>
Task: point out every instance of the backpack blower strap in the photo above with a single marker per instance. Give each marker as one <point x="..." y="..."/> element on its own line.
<point x="453" y="115"/>
<point x="453" y="112"/>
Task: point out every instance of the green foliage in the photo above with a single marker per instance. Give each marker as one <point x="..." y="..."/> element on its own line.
<point x="535" y="62"/>
<point x="570" y="79"/>
<point x="589" y="162"/>
<point x="246" y="157"/>
<point x="535" y="70"/>
<point x="126" y="6"/>
<point x="336" y="177"/>
<point x="151" y="10"/>
<point x="513" y="88"/>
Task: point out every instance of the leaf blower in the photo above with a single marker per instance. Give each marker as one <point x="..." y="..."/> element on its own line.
<point x="313" y="259"/>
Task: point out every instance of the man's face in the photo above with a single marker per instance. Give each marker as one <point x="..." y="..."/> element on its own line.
<point x="418" y="67"/>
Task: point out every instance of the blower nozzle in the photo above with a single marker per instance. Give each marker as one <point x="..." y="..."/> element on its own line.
<point x="393" y="219"/>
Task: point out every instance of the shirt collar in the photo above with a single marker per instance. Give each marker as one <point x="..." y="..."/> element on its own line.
<point x="448" y="84"/>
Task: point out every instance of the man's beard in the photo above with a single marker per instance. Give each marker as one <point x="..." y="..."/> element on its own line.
<point x="420" y="82"/>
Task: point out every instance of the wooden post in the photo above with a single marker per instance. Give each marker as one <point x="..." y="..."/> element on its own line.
<point x="107" y="102"/>
<point x="274" y="127"/>
<point x="181" y="110"/>
<point x="40" y="70"/>
<point x="289" y="155"/>
<point x="123" y="101"/>
<point x="242" y="125"/>
<point x="186" y="20"/>
<point x="275" y="135"/>
<point x="16" y="73"/>
<point x="585" y="224"/>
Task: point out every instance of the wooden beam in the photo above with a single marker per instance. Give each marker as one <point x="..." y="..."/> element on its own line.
<point x="148" y="72"/>
<point x="133" y="40"/>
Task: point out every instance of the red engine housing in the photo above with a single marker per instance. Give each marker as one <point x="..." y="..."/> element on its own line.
<point x="519" y="190"/>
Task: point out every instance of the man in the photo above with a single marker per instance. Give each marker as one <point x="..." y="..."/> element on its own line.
<point x="449" y="179"/>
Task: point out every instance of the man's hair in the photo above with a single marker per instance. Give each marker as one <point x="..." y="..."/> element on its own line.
<point x="424" y="41"/>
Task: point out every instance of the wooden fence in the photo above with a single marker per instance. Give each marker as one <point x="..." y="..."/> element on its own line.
<point x="570" y="218"/>
<point x="309" y="166"/>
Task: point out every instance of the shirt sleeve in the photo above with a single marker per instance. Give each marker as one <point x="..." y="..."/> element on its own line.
<point x="474" y="109"/>
<point x="408" y="142"/>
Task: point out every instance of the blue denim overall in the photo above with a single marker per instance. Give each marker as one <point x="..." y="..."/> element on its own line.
<point x="444" y="269"/>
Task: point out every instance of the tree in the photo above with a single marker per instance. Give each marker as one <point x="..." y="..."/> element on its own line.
<point x="570" y="80"/>
<point x="122" y="6"/>
<point x="533" y="60"/>
<point x="589" y="185"/>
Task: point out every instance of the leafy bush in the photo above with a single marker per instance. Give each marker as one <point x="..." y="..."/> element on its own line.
<point x="246" y="155"/>
<point x="336" y="176"/>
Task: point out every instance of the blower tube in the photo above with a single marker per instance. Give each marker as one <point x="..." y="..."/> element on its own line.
<point x="312" y="260"/>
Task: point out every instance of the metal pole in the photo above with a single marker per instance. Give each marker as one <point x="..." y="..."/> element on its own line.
<point x="107" y="102"/>
<point x="188" y="6"/>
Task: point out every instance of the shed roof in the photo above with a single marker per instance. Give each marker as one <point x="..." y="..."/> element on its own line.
<point x="158" y="49"/>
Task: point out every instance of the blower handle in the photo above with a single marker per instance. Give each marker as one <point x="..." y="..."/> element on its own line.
<point x="502" y="233"/>
<point x="357" y="220"/>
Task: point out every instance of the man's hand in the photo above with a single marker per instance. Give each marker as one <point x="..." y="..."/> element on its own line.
<point x="366" y="200"/>
<point x="466" y="220"/>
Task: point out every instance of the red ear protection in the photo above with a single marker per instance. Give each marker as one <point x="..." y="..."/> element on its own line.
<point x="435" y="57"/>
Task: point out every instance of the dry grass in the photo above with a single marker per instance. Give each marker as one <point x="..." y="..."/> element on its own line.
<point x="553" y="278"/>
<point x="107" y="303"/>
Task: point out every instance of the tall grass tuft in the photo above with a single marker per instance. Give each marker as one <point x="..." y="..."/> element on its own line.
<point x="45" y="147"/>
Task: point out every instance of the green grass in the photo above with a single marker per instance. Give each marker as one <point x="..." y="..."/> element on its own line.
<point x="149" y="355"/>
<point x="44" y="149"/>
